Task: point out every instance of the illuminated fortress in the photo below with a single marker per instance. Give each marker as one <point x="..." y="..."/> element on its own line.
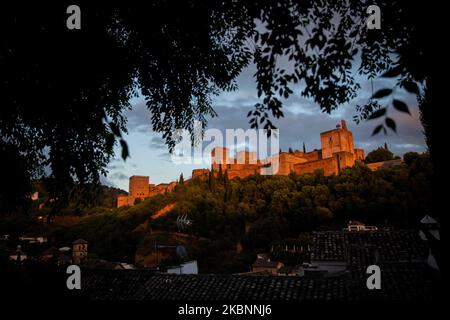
<point x="337" y="152"/>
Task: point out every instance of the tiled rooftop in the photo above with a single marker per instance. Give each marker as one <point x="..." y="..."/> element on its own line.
<point x="400" y="281"/>
<point x="401" y="256"/>
<point x="361" y="247"/>
<point x="328" y="246"/>
<point x="144" y="285"/>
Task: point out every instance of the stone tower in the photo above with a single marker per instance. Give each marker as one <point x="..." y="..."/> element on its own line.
<point x="139" y="186"/>
<point x="336" y="140"/>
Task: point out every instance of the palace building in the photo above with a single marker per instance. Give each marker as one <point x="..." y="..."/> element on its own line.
<point x="337" y="152"/>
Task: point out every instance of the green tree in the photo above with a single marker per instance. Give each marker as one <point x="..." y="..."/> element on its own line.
<point x="379" y="154"/>
<point x="410" y="157"/>
<point x="16" y="188"/>
<point x="181" y="180"/>
<point x="324" y="214"/>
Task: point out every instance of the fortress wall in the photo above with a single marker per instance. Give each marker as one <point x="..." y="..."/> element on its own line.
<point x="162" y="188"/>
<point x="122" y="201"/>
<point x="313" y="155"/>
<point x="346" y="159"/>
<point x="243" y="172"/>
<point x="246" y="157"/>
<point x="384" y="164"/>
<point x="200" y="173"/>
<point x="359" y="154"/>
<point x="287" y="162"/>
<point x="236" y="166"/>
<point x="130" y="200"/>
<point x="329" y="166"/>
<point x="220" y="155"/>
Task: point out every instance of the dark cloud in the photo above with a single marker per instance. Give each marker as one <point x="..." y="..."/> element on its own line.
<point x="115" y="166"/>
<point x="118" y="176"/>
<point x="165" y="156"/>
<point x="139" y="118"/>
<point x="106" y="181"/>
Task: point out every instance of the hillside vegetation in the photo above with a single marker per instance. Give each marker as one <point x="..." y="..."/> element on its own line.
<point x="232" y="220"/>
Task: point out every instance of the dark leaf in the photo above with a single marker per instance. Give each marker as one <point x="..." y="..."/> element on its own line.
<point x="115" y="129"/>
<point x="353" y="34"/>
<point x="401" y="106"/>
<point x="378" y="113"/>
<point x="391" y="124"/>
<point x="394" y="72"/>
<point x="125" y="153"/>
<point x="377" y="129"/>
<point x="109" y="139"/>
<point x="381" y="93"/>
<point x="411" y="87"/>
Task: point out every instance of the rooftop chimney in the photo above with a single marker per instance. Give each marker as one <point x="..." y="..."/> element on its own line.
<point x="343" y="125"/>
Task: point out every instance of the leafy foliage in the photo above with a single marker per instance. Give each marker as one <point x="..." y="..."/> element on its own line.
<point x="257" y="212"/>
<point x="379" y="154"/>
<point x="111" y="233"/>
<point x="65" y="91"/>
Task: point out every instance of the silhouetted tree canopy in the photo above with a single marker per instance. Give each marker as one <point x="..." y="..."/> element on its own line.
<point x="379" y="154"/>
<point x="64" y="92"/>
<point x="410" y="157"/>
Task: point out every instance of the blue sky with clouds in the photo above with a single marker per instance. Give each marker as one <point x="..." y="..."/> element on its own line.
<point x="303" y="122"/>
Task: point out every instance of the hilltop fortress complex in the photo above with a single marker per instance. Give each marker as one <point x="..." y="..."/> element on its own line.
<point x="337" y="152"/>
